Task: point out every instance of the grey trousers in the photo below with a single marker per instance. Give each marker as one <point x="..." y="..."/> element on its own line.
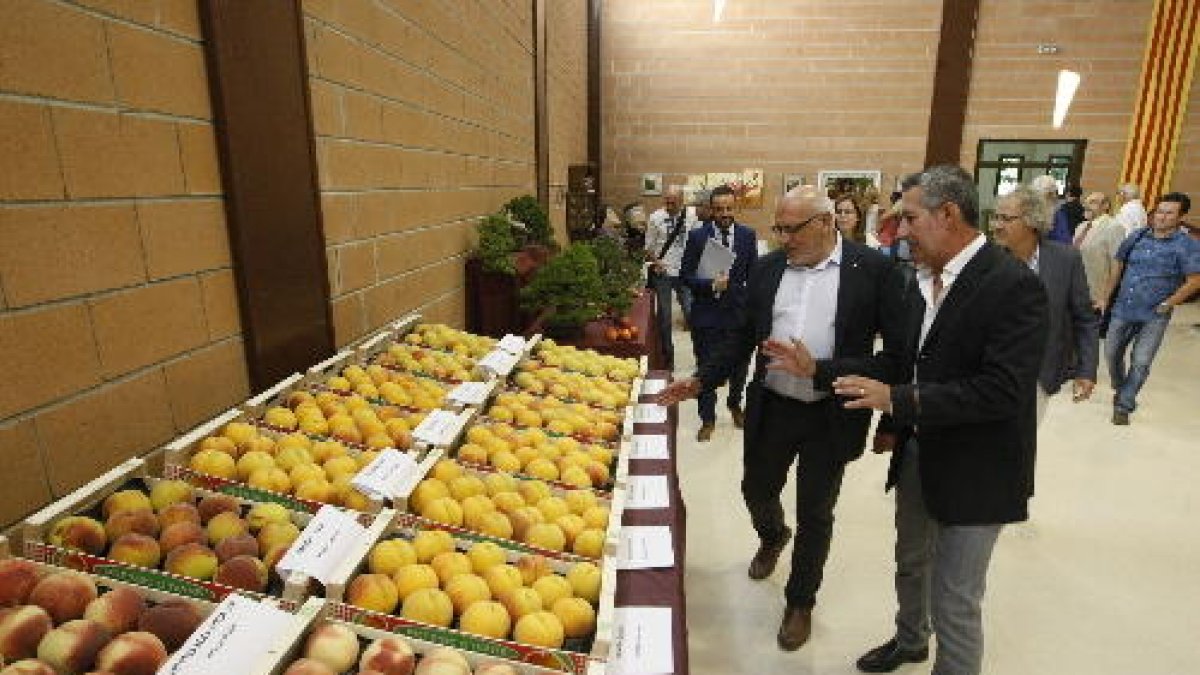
<point x="941" y="573"/>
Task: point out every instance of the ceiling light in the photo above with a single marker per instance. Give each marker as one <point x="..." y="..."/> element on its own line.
<point x="1068" y="82"/>
<point x="718" y="10"/>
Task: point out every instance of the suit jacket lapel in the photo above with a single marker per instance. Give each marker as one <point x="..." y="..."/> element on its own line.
<point x="962" y="289"/>
<point x="849" y="280"/>
<point x="772" y="275"/>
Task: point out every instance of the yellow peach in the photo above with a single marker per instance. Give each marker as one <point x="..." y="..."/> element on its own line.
<point x="487" y="618"/>
<point x="444" y="510"/>
<point x="577" y="616"/>
<point x="585" y="580"/>
<point x="446" y="470"/>
<point x="495" y="524"/>
<point x="449" y="564"/>
<point x="484" y="555"/>
<point x="429" y="543"/>
<point x="412" y="578"/>
<point x="390" y="555"/>
<point x="589" y="543"/>
<point x="430" y="605"/>
<point x="376" y="592"/>
<point x="545" y="535"/>
<point x="465" y="590"/>
<point x="552" y="587"/>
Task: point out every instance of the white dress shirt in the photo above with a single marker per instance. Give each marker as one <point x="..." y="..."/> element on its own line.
<point x="658" y="230"/>
<point x="950" y="272"/>
<point x="1132" y="215"/>
<point x="805" y="309"/>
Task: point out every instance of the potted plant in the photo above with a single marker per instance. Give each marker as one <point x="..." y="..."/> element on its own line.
<point x="512" y="244"/>
<point x="567" y="291"/>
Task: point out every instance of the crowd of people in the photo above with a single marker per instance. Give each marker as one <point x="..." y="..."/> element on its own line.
<point x="956" y="338"/>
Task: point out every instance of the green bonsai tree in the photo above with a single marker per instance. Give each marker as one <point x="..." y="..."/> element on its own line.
<point x="569" y="285"/>
<point x="620" y="271"/>
<point x="497" y="242"/>
<point x="526" y="209"/>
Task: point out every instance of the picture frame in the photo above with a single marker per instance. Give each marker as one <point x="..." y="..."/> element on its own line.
<point x="848" y="181"/>
<point x="652" y="184"/>
<point x="791" y="180"/>
<point x="1060" y="168"/>
<point x="1009" y="177"/>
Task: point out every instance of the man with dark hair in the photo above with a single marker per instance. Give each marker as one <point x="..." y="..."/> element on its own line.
<point x="961" y="421"/>
<point x="1067" y="217"/>
<point x="718" y="302"/>
<point x="1158" y="267"/>
<point x="666" y="234"/>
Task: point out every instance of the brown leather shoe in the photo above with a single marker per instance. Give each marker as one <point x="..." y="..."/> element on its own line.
<point x="795" y="628"/>
<point x="739" y="416"/>
<point x="706" y="432"/>
<point x="768" y="555"/>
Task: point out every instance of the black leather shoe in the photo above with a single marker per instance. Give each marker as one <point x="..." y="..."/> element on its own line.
<point x="1120" y="418"/>
<point x="738" y="415"/>
<point x="889" y="656"/>
<point x="768" y="554"/>
<point x="795" y="628"/>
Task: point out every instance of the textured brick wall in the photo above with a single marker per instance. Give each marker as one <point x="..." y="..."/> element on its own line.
<point x="566" y="84"/>
<point x="423" y="114"/>
<point x="1187" y="157"/>
<point x="118" y="318"/>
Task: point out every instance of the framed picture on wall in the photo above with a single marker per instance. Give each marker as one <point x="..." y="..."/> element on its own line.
<point x="848" y="182"/>
<point x="791" y="180"/>
<point x="652" y="184"/>
<point x="1060" y="168"/>
<point x="1010" y="176"/>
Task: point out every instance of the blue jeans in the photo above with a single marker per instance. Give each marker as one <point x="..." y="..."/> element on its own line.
<point x="705" y="344"/>
<point x="663" y="285"/>
<point x="1145" y="338"/>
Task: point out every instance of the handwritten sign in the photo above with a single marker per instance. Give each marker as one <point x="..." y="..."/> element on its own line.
<point x="237" y="627"/>
<point x="499" y="362"/>
<point x="648" y="492"/>
<point x="387" y="476"/>
<point x="642" y="641"/>
<point x="649" y="446"/>
<point x="645" y="547"/>
<point x="439" y="427"/>
<point x="513" y="344"/>
<point x="323" y="545"/>
<point x="470" y="393"/>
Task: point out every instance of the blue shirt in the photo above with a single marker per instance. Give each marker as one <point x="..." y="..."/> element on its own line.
<point x="1154" y="270"/>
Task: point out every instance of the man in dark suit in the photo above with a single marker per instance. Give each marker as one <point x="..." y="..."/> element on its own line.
<point x="718" y="303"/>
<point x="964" y="418"/>
<point x="824" y="298"/>
<point x="1020" y="224"/>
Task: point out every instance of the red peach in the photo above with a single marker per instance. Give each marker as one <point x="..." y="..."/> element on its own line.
<point x="180" y="512"/>
<point x="172" y="622"/>
<point x="142" y="521"/>
<point x="179" y="534"/>
<point x="309" y="667"/>
<point x="79" y="533"/>
<point x="64" y="595"/>
<point x="136" y="549"/>
<point x="117" y="610"/>
<point x="238" y="544"/>
<point x="28" y="667"/>
<point x="72" y="647"/>
<point x="334" y="645"/>
<point x="211" y="505"/>
<point x="388" y="656"/>
<point x="245" y="572"/>
<point x="21" y="629"/>
<point x="136" y="653"/>
<point x="17" y="579"/>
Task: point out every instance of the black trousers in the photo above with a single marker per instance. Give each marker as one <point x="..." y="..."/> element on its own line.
<point x="789" y="430"/>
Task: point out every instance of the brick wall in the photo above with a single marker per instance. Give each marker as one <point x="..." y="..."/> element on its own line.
<point x="566" y="85"/>
<point x="423" y="115"/>
<point x="1187" y="155"/>
<point x="118" y="318"/>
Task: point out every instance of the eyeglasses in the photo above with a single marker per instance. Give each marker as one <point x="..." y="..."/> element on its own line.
<point x="1004" y="218"/>
<point x="793" y="229"/>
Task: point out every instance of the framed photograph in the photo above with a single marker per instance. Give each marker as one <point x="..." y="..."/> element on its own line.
<point x="651" y="184"/>
<point x="855" y="183"/>
<point x="1060" y="168"/>
<point x="1010" y="176"/>
<point x="791" y="180"/>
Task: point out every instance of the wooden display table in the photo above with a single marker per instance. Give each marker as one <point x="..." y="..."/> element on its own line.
<point x="641" y="315"/>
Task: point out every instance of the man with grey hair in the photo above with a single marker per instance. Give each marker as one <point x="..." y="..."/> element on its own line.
<point x="1097" y="239"/>
<point x="666" y="235"/>
<point x="1020" y="224"/>
<point x="961" y="420"/>
<point x="1132" y="214"/>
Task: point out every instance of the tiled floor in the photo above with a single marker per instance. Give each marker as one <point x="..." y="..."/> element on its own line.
<point x="1104" y="579"/>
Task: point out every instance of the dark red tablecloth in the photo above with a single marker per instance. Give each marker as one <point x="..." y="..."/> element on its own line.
<point x="660" y="587"/>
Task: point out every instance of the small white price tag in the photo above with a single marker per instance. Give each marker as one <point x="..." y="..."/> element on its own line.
<point x="386" y="476"/>
<point x="323" y="545"/>
<point x="237" y="627"/>
<point x="650" y="413"/>
<point x="470" y="393"/>
<point x="647" y="446"/>
<point x="513" y="344"/>
<point x="435" y="428"/>
<point x="499" y="362"/>
<point x="652" y="387"/>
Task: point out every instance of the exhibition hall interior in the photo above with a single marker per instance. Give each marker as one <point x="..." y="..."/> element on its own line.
<point x="599" y="337"/>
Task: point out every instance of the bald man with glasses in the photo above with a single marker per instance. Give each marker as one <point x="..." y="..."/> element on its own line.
<point x="818" y="303"/>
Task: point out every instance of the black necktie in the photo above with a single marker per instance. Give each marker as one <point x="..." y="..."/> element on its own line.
<point x="725" y="238"/>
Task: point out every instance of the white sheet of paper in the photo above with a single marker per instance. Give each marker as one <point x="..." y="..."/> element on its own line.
<point x="237" y="627"/>
<point x="499" y="362"/>
<point x="650" y="413"/>
<point x="641" y="643"/>
<point x="645" y="547"/>
<point x="648" y="492"/>
<point x="386" y="476"/>
<point x="715" y="260"/>
<point x="649" y="446"/>
<point x="513" y="344"/>
<point x="323" y="545"/>
<point x="470" y="393"/>
<point x="652" y="387"/>
<point x="438" y="428"/>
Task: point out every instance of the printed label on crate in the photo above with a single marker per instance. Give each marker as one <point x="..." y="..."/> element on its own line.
<point x="387" y="476"/>
<point x="652" y="387"/>
<point x="470" y="393"/>
<point x="325" y="542"/>
<point x="499" y="362"/>
<point x="440" y="427"/>
<point x="649" y="413"/>
<point x="568" y="662"/>
<point x="238" y="627"/>
<point x="649" y="446"/>
<point x="513" y="344"/>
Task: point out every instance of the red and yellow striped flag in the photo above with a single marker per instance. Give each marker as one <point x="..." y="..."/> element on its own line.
<point x="1172" y="42"/>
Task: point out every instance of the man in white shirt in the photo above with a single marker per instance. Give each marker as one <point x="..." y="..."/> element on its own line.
<point x="666" y="235"/>
<point x="1132" y="214"/>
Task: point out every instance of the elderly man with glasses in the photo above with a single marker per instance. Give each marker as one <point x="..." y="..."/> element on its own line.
<point x="816" y="304"/>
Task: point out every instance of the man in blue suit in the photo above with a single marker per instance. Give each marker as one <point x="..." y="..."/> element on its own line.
<point x="718" y="304"/>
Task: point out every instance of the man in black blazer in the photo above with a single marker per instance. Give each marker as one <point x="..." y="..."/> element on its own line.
<point x="835" y="296"/>
<point x="1020" y="224"/>
<point x="963" y="414"/>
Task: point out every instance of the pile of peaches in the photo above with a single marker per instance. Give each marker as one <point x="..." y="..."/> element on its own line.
<point x="334" y="648"/>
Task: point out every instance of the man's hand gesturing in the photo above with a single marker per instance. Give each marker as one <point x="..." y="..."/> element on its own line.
<point x="679" y="390"/>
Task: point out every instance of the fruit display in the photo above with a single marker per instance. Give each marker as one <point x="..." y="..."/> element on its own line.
<point x="334" y="647"/>
<point x="578" y="420"/>
<point x="406" y="359"/>
<point x="442" y="337"/>
<point x="572" y="387"/>
<point x="387" y="386"/>
<point x="479" y="591"/>
<point x="61" y="621"/>
<point x="587" y="361"/>
<point x="217" y="539"/>
<point x="563" y="460"/>
<point x="504" y="507"/>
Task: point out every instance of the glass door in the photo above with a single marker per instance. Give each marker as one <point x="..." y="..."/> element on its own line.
<point x="1001" y="165"/>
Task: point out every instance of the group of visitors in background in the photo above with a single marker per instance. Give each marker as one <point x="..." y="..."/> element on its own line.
<point x="976" y="336"/>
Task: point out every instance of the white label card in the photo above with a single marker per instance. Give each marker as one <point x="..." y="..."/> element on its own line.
<point x="470" y="393"/>
<point x="499" y="362"/>
<point x="648" y="492"/>
<point x="650" y="413"/>
<point x="645" y="547"/>
<point x="323" y="545"/>
<point x="387" y="475"/>
<point x="440" y="427"/>
<point x="652" y="387"/>
<point x="237" y="627"/>
<point x="513" y="344"/>
<point x="649" y="446"/>
<point x="642" y="641"/>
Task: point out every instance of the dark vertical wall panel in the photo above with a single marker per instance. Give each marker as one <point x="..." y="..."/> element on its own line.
<point x="595" y="16"/>
<point x="259" y="81"/>
<point x="951" y="81"/>
<point x="541" y="120"/>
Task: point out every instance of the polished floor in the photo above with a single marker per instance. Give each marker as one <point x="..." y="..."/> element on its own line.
<point x="1104" y="579"/>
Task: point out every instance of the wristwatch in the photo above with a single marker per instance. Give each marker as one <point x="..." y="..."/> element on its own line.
<point x="1163" y="309"/>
